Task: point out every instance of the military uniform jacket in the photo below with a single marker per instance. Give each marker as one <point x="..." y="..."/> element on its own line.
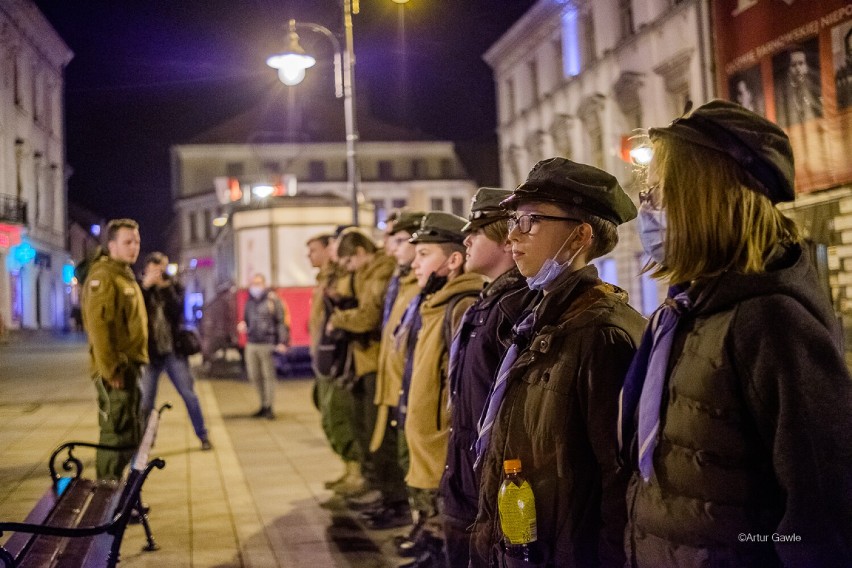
<point x="559" y="417"/>
<point x="326" y="277"/>
<point x="753" y="467"/>
<point x="391" y="359"/>
<point x="484" y="338"/>
<point x="114" y="317"/>
<point x="427" y="422"/>
<point x="370" y="283"/>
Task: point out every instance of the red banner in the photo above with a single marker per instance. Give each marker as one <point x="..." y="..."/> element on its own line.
<point x="791" y="61"/>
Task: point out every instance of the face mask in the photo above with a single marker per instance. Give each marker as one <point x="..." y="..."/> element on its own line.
<point x="652" y="232"/>
<point x="551" y="269"/>
<point x="256" y="292"/>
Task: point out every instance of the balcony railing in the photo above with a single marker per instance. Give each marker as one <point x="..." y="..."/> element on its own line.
<point x="13" y="210"/>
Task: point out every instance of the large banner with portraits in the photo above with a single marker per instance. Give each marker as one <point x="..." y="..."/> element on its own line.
<point x="791" y="61"/>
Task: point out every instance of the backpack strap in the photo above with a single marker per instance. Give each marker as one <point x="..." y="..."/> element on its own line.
<point x="448" y="315"/>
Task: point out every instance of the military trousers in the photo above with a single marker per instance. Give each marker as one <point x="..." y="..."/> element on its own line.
<point x="120" y="421"/>
<point x="336" y="406"/>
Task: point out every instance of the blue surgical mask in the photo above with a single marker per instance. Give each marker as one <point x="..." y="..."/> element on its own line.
<point x="652" y="232"/>
<point x="256" y="292"/>
<point x="551" y="269"/>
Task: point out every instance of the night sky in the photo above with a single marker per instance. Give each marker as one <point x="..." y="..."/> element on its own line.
<point x="149" y="74"/>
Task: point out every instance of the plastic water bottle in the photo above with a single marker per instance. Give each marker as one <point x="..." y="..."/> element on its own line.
<point x="516" y="504"/>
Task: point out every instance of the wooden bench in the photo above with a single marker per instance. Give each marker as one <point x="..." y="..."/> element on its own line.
<point x="81" y="522"/>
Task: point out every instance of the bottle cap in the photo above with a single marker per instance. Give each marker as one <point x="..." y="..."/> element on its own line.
<point x="512" y="466"/>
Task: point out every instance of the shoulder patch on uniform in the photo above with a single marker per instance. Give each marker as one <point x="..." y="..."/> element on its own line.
<point x="128" y="291"/>
<point x="94" y="283"/>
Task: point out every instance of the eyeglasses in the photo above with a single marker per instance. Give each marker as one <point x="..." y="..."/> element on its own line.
<point x="652" y="197"/>
<point x="525" y="222"/>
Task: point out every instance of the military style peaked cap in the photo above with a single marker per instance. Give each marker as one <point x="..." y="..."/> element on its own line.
<point x="408" y="221"/>
<point x="485" y="208"/>
<point x="439" y="227"/>
<point x="759" y="146"/>
<point x="561" y="181"/>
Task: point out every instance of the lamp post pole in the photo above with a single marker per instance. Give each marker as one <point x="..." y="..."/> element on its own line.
<point x="353" y="174"/>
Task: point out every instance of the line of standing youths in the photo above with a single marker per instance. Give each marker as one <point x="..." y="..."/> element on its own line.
<point x="715" y="434"/>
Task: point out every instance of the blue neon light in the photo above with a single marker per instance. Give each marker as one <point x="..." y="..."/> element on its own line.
<point x="570" y="43"/>
<point x="68" y="273"/>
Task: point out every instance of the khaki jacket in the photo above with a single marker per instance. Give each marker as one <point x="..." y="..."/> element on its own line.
<point x="114" y="317"/>
<point x="370" y="284"/>
<point x="392" y="357"/>
<point x="427" y="423"/>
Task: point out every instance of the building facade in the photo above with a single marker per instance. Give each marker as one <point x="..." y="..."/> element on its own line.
<point x="576" y="78"/>
<point x="34" y="265"/>
<point x="216" y="184"/>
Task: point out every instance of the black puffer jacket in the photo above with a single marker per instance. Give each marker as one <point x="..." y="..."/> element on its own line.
<point x="479" y="357"/>
<point x="559" y="416"/>
<point x="754" y="463"/>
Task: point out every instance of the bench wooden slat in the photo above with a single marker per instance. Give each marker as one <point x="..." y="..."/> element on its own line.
<point x="93" y="549"/>
<point x="67" y="513"/>
<point x="18" y="541"/>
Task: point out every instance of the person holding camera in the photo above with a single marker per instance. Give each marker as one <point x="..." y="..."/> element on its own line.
<point x="166" y="351"/>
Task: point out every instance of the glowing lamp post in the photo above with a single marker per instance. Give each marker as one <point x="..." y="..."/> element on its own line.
<point x="291" y="66"/>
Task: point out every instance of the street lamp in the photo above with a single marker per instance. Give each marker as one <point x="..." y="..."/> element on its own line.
<point x="291" y="66"/>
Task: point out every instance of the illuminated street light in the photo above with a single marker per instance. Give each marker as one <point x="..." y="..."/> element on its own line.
<point x="295" y="61"/>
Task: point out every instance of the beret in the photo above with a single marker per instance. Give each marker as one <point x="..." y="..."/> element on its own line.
<point x="759" y="146"/>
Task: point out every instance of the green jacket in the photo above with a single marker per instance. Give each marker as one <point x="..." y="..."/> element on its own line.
<point x="114" y="317"/>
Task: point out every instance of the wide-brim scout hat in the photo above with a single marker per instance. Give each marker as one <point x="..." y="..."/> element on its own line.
<point x="561" y="181"/>
<point x="439" y="227"/>
<point x="759" y="146"/>
<point x="485" y="208"/>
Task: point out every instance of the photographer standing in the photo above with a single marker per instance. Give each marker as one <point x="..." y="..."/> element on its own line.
<point x="164" y="304"/>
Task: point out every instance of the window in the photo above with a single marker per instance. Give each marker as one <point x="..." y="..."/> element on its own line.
<point x="381" y="212"/>
<point x="208" y="224"/>
<point x="625" y="14"/>
<point x="16" y="80"/>
<point x="193" y="228"/>
<point x="648" y="289"/>
<point x="316" y="170"/>
<point x="590" y="54"/>
<point x="35" y="92"/>
<point x="398" y="203"/>
<point x="608" y="270"/>
<point x="385" y="170"/>
<point x="534" y="86"/>
<point x="271" y="167"/>
<point x="457" y="206"/>
<point x="436" y="204"/>
<point x="447" y="171"/>
<point x="510" y="99"/>
<point x="234" y="169"/>
<point x="419" y="169"/>
<point x="559" y="62"/>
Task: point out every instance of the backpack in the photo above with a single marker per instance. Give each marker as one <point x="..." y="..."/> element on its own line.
<point x="333" y="357"/>
<point x="81" y="271"/>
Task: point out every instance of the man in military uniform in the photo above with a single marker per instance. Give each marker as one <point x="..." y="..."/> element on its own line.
<point x="114" y="317"/>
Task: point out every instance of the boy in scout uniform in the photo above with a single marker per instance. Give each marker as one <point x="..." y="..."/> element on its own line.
<point x="554" y="403"/>
<point x="115" y="319"/>
<point x="448" y="291"/>
<point x="475" y="354"/>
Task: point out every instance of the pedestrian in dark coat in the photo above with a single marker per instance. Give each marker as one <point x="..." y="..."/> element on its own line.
<point x="738" y="408"/>
<point x="558" y="405"/>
